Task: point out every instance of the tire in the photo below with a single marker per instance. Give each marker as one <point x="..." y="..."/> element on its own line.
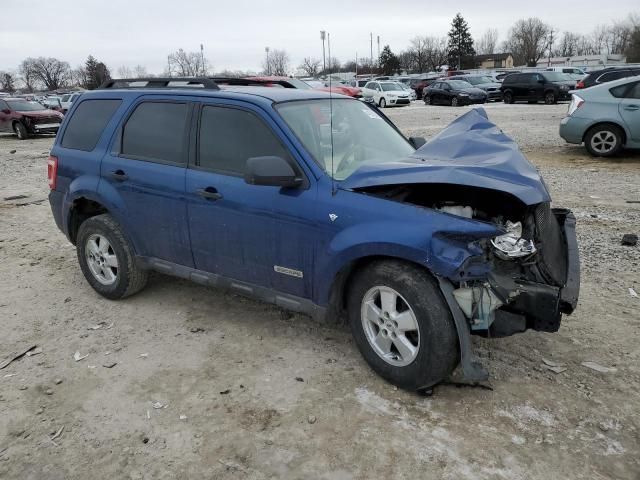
<point x="20" y="130"/>
<point x="129" y="277"/>
<point x="550" y="98"/>
<point x="427" y="100"/>
<point x="604" y="140"/>
<point x="507" y="97"/>
<point x="436" y="340"/>
<point x="383" y="103"/>
<point x="454" y="102"/>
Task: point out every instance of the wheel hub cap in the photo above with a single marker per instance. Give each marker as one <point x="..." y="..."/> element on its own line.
<point x="603" y="142"/>
<point x="390" y="326"/>
<point x="101" y="259"/>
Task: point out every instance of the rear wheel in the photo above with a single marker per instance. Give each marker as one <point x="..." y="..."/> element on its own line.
<point x="507" y="97"/>
<point x="603" y="140"/>
<point x="383" y="103"/>
<point x="20" y="130"/>
<point x="550" y="98"/>
<point x="107" y="260"/>
<point x="402" y="324"/>
<point x="427" y="100"/>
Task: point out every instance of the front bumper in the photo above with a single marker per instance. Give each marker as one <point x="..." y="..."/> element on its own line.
<point x="472" y="100"/>
<point x="494" y="96"/>
<point x="399" y="101"/>
<point x="45" y="128"/>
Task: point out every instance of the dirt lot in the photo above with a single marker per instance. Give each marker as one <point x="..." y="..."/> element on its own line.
<point x="250" y="391"/>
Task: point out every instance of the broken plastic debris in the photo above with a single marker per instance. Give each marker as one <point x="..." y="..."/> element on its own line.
<point x="511" y="244"/>
<point x="91" y="366"/>
<point x="551" y="363"/>
<point x="143" y="355"/>
<point x="158" y="405"/>
<point x="148" y="415"/>
<point x="35" y="351"/>
<point x="183" y="417"/>
<point x="555" y="369"/>
<point x="9" y="375"/>
<point x="56" y="435"/>
<point x="109" y="365"/>
<point x="77" y="356"/>
<point x="632" y="292"/>
<point x="15" y="356"/>
<point x="599" y="368"/>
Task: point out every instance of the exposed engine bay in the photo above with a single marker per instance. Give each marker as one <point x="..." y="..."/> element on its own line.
<point x="526" y="266"/>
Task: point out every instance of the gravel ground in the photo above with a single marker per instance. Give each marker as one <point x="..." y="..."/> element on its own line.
<point x="250" y="391"/>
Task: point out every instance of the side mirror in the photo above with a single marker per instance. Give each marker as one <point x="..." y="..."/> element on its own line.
<point x="271" y="171"/>
<point x="417" y="142"/>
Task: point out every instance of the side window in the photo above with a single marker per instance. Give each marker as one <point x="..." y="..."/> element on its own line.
<point x="87" y="123"/>
<point x="635" y="91"/>
<point x="610" y="76"/>
<point x="369" y="85"/>
<point x="3" y="105"/>
<point x="230" y="136"/>
<point x="156" y="131"/>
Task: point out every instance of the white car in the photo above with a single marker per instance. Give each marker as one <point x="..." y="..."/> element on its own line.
<point x="67" y="99"/>
<point x="386" y="94"/>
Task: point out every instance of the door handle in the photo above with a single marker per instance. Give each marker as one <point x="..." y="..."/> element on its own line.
<point x="209" y="193"/>
<point x="119" y="176"/>
<point x="631" y="107"/>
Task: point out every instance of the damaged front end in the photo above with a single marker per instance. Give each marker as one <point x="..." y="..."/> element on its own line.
<point x="524" y="276"/>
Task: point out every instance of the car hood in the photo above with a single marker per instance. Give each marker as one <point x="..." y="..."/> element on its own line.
<point x="471" y="151"/>
<point x="484" y="86"/>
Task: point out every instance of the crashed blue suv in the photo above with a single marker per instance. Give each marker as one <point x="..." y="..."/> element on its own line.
<point x="318" y="204"/>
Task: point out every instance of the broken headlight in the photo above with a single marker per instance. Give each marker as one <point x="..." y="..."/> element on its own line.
<point x="511" y="244"/>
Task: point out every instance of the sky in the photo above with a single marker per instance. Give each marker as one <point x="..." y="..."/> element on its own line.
<point x="235" y="33"/>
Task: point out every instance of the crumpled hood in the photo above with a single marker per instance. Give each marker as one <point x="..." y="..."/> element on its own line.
<point x="470" y="151"/>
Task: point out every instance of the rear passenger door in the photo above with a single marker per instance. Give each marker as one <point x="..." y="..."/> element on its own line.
<point x="145" y="169"/>
<point x="629" y="108"/>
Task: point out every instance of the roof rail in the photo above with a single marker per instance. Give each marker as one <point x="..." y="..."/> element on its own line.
<point x="161" y="82"/>
<point x="243" y="81"/>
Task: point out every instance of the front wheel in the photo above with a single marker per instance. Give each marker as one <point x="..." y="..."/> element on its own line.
<point x="550" y="98"/>
<point x="383" y="103"/>
<point x="107" y="259"/>
<point x="603" y="140"/>
<point x="507" y="97"/>
<point x="21" y="131"/>
<point x="402" y="324"/>
<point x="454" y="102"/>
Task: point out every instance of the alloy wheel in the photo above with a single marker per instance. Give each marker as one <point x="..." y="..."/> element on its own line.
<point x="101" y="259"/>
<point x="390" y="326"/>
<point x="604" y="141"/>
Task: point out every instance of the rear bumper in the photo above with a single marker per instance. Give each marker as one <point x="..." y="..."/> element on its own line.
<point x="572" y="129"/>
<point x="56" y="201"/>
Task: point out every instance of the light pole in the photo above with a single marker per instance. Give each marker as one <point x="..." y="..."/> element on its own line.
<point x="202" y="57"/>
<point x="379" y="54"/>
<point x="323" y="35"/>
<point x="266" y="49"/>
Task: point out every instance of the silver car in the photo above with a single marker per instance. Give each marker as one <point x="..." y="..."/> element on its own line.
<point x="605" y="117"/>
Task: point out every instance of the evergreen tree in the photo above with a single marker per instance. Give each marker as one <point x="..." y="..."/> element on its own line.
<point x="96" y="73"/>
<point x="389" y="61"/>
<point x="461" y="49"/>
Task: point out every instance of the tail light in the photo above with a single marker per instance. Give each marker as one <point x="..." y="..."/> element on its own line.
<point x="576" y="103"/>
<point x="52" y="171"/>
<point x="580" y="84"/>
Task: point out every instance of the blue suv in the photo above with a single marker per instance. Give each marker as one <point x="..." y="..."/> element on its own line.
<point x="319" y="204"/>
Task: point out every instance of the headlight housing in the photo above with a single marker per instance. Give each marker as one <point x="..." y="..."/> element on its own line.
<point x="511" y="244"/>
<point x="462" y="94"/>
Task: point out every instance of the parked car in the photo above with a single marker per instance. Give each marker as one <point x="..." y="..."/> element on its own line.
<point x="420" y="83"/>
<point x="25" y="118"/>
<point x="250" y="189"/>
<point x="570" y="70"/>
<point x="606" y="117"/>
<point x="52" y="103"/>
<point x="359" y="83"/>
<point x="289" y="82"/>
<point x="454" y="93"/>
<point x="533" y="87"/>
<point x="502" y="75"/>
<point x="408" y="89"/>
<point x="386" y="94"/>
<point x="67" y="99"/>
<point x="486" y="83"/>
<point x="605" y="75"/>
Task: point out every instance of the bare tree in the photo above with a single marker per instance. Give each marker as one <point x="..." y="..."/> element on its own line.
<point x="78" y="76"/>
<point x="277" y="63"/>
<point x="27" y="72"/>
<point x="125" y="72"/>
<point x="140" y="71"/>
<point x="310" y="66"/>
<point x="488" y="42"/>
<point x="528" y="40"/>
<point x="187" y="64"/>
<point x="51" y="72"/>
<point x="7" y="82"/>
<point x="419" y="53"/>
<point x="568" y="45"/>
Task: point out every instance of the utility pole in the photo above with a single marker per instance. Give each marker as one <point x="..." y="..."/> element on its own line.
<point x="202" y="57"/>
<point x="371" y="67"/>
<point x="356" y="67"/>
<point x="322" y="37"/>
<point x="378" y="53"/>
<point x="266" y="50"/>
<point x="550" y="47"/>
<point x="169" y="65"/>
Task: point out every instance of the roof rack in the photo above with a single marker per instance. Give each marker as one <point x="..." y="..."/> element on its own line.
<point x="165" y="82"/>
<point x="244" y="81"/>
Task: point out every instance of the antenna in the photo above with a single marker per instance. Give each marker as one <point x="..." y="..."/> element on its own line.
<point x="333" y="181"/>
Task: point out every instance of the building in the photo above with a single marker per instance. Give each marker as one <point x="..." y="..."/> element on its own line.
<point x="583" y="61"/>
<point x="494" y="60"/>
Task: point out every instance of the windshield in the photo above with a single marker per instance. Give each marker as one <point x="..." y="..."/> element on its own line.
<point x="402" y="86"/>
<point x="457" y="84"/>
<point x="556" y="76"/>
<point x="478" y="80"/>
<point x="360" y="135"/>
<point x="389" y="87"/>
<point x="24" y="106"/>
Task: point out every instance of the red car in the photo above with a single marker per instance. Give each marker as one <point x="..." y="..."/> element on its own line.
<point x="25" y="118"/>
<point x="289" y="82"/>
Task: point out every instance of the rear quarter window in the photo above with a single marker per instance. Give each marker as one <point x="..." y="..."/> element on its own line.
<point x="87" y="123"/>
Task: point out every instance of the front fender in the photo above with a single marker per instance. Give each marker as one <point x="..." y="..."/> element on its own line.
<point x="441" y="243"/>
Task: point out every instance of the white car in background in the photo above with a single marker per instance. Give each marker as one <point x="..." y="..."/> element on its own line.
<point x="386" y="94"/>
<point x="67" y="99"/>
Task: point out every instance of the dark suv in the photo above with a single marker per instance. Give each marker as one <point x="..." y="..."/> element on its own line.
<point x="533" y="87"/>
<point x="597" y="77"/>
<point x="320" y="205"/>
